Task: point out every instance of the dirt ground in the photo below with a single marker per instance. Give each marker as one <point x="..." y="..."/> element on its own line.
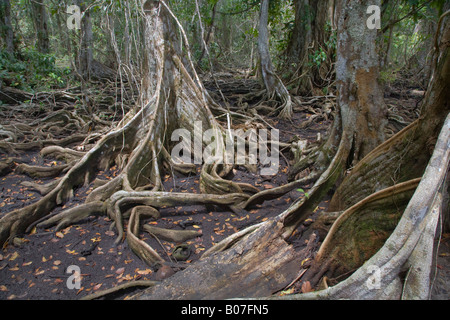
<point x="35" y="266"/>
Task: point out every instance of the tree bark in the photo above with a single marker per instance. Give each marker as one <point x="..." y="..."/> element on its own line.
<point x="85" y="55"/>
<point x="362" y="114"/>
<point x="40" y="19"/>
<point x="308" y="38"/>
<point x="6" y="26"/>
<point x="273" y="84"/>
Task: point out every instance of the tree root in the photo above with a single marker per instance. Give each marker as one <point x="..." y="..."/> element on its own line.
<point x="277" y="192"/>
<point x="140" y="247"/>
<point x="362" y="229"/>
<point x="116" y="289"/>
<point x="74" y="215"/>
<point x="177" y="236"/>
<point x="33" y="145"/>
<point x="43" y="172"/>
<point x="6" y="166"/>
<point x="60" y="153"/>
<point x="42" y="189"/>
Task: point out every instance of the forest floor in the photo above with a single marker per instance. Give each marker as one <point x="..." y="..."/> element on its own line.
<point x="35" y="266"/>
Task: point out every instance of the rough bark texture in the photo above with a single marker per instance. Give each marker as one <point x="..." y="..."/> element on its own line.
<point x="308" y="38"/>
<point x="274" y="86"/>
<point x="6" y="26"/>
<point x="40" y="19"/>
<point x="85" y="54"/>
<point x="406" y="155"/>
<point x="259" y="265"/>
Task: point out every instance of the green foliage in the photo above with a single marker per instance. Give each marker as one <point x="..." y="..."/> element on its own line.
<point x="281" y="23"/>
<point x="31" y="70"/>
<point x="321" y="55"/>
<point x="404" y="40"/>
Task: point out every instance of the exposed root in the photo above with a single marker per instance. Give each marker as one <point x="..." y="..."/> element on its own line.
<point x="60" y="153"/>
<point x="6" y="166"/>
<point x="140" y="247"/>
<point x="277" y="192"/>
<point x="74" y="215"/>
<point x="116" y="289"/>
<point x="43" y="172"/>
<point x="43" y="189"/>
<point x="177" y="236"/>
<point x="359" y="232"/>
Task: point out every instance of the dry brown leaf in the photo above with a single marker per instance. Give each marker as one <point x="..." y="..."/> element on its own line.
<point x="120" y="270"/>
<point x="306" y="287"/>
<point x="97" y="286"/>
<point x="14" y="256"/>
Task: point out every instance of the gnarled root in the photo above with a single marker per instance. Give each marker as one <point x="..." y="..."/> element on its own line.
<point x="74" y="215"/>
<point x="140" y="247"/>
<point x="360" y="231"/>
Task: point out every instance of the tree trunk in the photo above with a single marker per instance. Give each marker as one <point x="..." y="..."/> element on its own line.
<point x="362" y="114"/>
<point x="420" y="150"/>
<point x="309" y="38"/>
<point x="6" y="26"/>
<point x="273" y="84"/>
<point x="85" y="56"/>
<point x="40" y="19"/>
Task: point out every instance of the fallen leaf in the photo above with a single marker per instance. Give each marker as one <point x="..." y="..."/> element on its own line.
<point x="286" y="292"/>
<point x="3" y="288"/>
<point x="39" y="272"/>
<point x="97" y="286"/>
<point x="306" y="287"/>
<point x="14" y="256"/>
<point x="144" y="272"/>
<point x="304" y="261"/>
<point x="110" y="233"/>
<point x="120" y="270"/>
<point x="128" y="277"/>
<point x="59" y="234"/>
<point x="57" y="262"/>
